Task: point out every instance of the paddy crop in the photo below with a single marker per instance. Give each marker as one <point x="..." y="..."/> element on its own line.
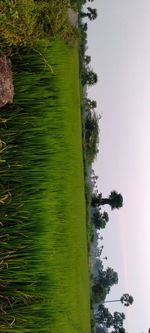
<point x="44" y="282"/>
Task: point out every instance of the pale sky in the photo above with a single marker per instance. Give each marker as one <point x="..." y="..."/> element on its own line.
<point x="119" y="44"/>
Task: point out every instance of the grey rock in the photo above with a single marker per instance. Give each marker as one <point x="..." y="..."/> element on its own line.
<point x="6" y="81"/>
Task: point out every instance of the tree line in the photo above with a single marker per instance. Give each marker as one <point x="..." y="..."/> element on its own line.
<point x="105" y="278"/>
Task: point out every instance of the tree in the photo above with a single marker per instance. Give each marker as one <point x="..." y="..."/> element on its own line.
<point x="91" y="13"/>
<point x="91" y="135"/>
<point x="108" y="278"/>
<point x="125" y="299"/>
<point x="87" y="59"/>
<point x="115" y="200"/>
<point x="118" y="319"/>
<point x="103" y="316"/>
<point x="89" y="77"/>
<point x="100" y="219"/>
<point x="90" y="104"/>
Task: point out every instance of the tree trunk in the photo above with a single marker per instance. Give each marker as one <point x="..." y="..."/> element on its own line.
<point x="105" y="201"/>
<point x="114" y="300"/>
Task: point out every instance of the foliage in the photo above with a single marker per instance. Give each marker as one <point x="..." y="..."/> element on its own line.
<point x="100" y="219"/>
<point x="24" y="22"/>
<point x="103" y="316"/>
<point x="98" y="293"/>
<point x="108" y="278"/>
<point x="91" y="13"/>
<point x="89" y="77"/>
<point x="91" y="135"/>
<point x="126" y="299"/>
<point x="116" y="200"/>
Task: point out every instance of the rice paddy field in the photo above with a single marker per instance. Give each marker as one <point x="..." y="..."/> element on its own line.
<point x="44" y="278"/>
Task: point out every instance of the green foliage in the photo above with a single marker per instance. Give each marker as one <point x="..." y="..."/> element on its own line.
<point x="100" y="219"/>
<point x="91" y="13"/>
<point x="44" y="284"/>
<point x="91" y="135"/>
<point x="24" y="22"/>
<point x="103" y="316"/>
<point x="126" y="299"/>
<point x="89" y="77"/>
<point x="108" y="278"/>
<point x="98" y="293"/>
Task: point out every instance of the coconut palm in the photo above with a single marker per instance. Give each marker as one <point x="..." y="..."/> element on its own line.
<point x="91" y="13"/>
<point x="115" y="200"/>
<point x="125" y="299"/>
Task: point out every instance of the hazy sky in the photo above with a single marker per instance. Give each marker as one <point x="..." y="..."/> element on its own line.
<point x="119" y="43"/>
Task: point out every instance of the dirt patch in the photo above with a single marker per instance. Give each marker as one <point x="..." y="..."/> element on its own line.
<point x="73" y="17"/>
<point x="6" y="81"/>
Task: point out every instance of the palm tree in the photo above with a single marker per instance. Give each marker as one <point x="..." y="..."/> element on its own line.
<point x="91" y="14"/>
<point x="125" y="299"/>
<point x="115" y="200"/>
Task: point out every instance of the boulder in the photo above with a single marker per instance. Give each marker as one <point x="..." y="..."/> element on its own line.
<point x="73" y="17"/>
<point x="6" y="81"/>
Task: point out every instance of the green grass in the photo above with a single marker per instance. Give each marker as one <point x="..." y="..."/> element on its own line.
<point x="44" y="279"/>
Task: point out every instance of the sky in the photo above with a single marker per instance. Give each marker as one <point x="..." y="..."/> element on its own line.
<point x="119" y="45"/>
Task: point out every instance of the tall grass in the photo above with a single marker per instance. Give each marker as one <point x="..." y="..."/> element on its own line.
<point x="44" y="283"/>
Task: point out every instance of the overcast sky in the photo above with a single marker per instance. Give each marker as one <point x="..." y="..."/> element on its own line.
<point x="119" y="44"/>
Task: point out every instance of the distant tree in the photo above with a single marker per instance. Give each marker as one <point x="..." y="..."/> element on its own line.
<point x="91" y="13"/>
<point x="103" y="316"/>
<point x="105" y="216"/>
<point x="115" y="200"/>
<point x="100" y="219"/>
<point x="90" y="104"/>
<point x="87" y="59"/>
<point x="91" y="135"/>
<point x="125" y="299"/>
<point x="84" y="27"/>
<point x="108" y="278"/>
<point x="89" y="77"/>
<point x="118" y="320"/>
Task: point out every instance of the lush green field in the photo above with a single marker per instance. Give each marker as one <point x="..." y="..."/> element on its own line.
<point x="44" y="281"/>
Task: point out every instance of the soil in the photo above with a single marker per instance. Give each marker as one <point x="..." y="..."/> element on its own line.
<point x="6" y="81"/>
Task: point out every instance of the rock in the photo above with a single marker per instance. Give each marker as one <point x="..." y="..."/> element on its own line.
<point x="73" y="17"/>
<point x="6" y="81"/>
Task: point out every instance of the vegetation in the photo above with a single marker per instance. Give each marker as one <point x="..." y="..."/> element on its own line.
<point x="125" y="299"/>
<point x="100" y="219"/>
<point x="42" y="198"/>
<point x="116" y="321"/>
<point x="26" y="21"/>
<point x="91" y="13"/>
<point x="115" y="200"/>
